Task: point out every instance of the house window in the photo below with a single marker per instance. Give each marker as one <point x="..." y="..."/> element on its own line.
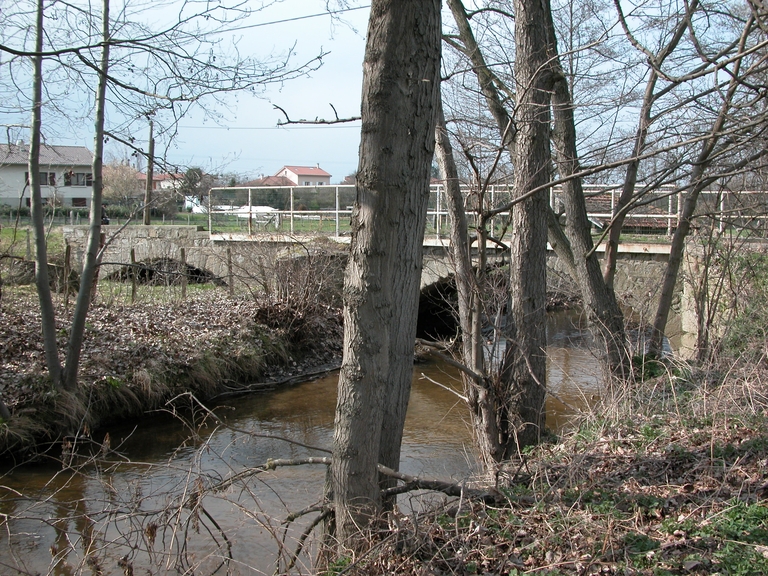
<point x="307" y="183"/>
<point x="46" y="178"/>
<point x="43" y="199"/>
<point x="320" y="183"/>
<point x="78" y="178"/>
<point x="79" y="202"/>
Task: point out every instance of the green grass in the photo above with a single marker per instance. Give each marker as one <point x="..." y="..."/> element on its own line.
<point x="736" y="540"/>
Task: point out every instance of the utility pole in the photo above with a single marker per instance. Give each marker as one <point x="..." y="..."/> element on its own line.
<point x="150" y="174"/>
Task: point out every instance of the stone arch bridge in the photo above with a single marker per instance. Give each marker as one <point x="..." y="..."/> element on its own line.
<point x="640" y="265"/>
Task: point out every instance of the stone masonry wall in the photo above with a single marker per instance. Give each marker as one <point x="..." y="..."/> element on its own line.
<point x="638" y="277"/>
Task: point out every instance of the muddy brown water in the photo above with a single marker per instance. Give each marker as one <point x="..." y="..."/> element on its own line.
<point x="144" y="509"/>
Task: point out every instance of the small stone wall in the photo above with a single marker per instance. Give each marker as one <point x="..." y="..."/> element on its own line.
<point x="150" y="242"/>
<point x="638" y="277"/>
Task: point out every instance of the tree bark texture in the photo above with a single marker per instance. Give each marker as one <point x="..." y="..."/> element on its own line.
<point x="488" y="85"/>
<point x="381" y="291"/>
<point x="517" y="393"/>
<point x="600" y="304"/>
<point x="481" y="397"/>
<point x="92" y="256"/>
<point x="524" y="370"/>
<point x="47" y="313"/>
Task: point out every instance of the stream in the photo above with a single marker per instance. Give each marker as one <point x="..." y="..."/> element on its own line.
<point x="155" y="509"/>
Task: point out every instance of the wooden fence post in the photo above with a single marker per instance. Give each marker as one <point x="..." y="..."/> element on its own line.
<point x="67" y="268"/>
<point x="95" y="285"/>
<point x="134" y="274"/>
<point x="183" y="273"/>
<point x="230" y="276"/>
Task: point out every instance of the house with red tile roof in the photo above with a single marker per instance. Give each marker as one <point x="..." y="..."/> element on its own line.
<point x="294" y="176"/>
<point x="269" y="181"/>
<point x="305" y="175"/>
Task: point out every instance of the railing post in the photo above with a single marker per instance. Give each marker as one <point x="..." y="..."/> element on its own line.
<point x="721" y="226"/>
<point x="669" y="215"/>
<point x="250" y="214"/>
<point x="492" y="207"/>
<point x="210" y="212"/>
<point x="552" y="198"/>
<point x="437" y="211"/>
<point x="337" y="211"/>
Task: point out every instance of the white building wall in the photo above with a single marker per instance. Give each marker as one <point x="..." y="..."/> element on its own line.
<point x="304" y="179"/>
<point x="13" y="178"/>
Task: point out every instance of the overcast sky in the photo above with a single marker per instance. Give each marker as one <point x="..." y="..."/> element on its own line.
<point x="248" y="141"/>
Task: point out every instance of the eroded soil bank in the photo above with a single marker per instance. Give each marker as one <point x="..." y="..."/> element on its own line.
<point x="668" y="474"/>
<point x="136" y="357"/>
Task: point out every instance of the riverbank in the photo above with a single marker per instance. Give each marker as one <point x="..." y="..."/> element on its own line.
<point x="137" y="357"/>
<point x="669" y="476"/>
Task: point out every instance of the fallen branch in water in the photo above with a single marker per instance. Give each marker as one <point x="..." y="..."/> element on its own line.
<point x="287" y="381"/>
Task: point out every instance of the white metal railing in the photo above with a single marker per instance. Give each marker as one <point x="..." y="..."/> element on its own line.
<point x="326" y="210"/>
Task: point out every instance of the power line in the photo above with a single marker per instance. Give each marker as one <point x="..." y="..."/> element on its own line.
<point x="295" y="18"/>
<point x="290" y="127"/>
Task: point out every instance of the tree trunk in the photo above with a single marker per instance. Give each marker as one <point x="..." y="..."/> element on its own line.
<point x="698" y="183"/>
<point x="517" y="394"/>
<point x="644" y="124"/>
<point x="628" y="188"/>
<point x="480" y="394"/>
<point x="524" y="369"/>
<point x="605" y="317"/>
<point x="47" y="313"/>
<point x="93" y="253"/>
<point x="400" y="90"/>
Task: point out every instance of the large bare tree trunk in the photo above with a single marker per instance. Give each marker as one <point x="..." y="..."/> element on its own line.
<point x="524" y="371"/>
<point x="47" y="313"/>
<point x="92" y="256"/>
<point x="600" y="304"/>
<point x="488" y="86"/>
<point x="400" y="90"/>
<point x="517" y="393"/>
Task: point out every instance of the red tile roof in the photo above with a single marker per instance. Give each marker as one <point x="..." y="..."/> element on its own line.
<point x="269" y="181"/>
<point x="305" y="171"/>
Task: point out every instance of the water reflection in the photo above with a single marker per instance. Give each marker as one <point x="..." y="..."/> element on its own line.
<point x="158" y="513"/>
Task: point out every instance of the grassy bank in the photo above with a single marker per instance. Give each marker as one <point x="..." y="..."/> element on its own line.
<point x="668" y="476"/>
<point x="136" y="357"/>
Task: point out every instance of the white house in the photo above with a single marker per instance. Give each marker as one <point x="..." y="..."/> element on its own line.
<point x="65" y="175"/>
<point x="305" y="175"/>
